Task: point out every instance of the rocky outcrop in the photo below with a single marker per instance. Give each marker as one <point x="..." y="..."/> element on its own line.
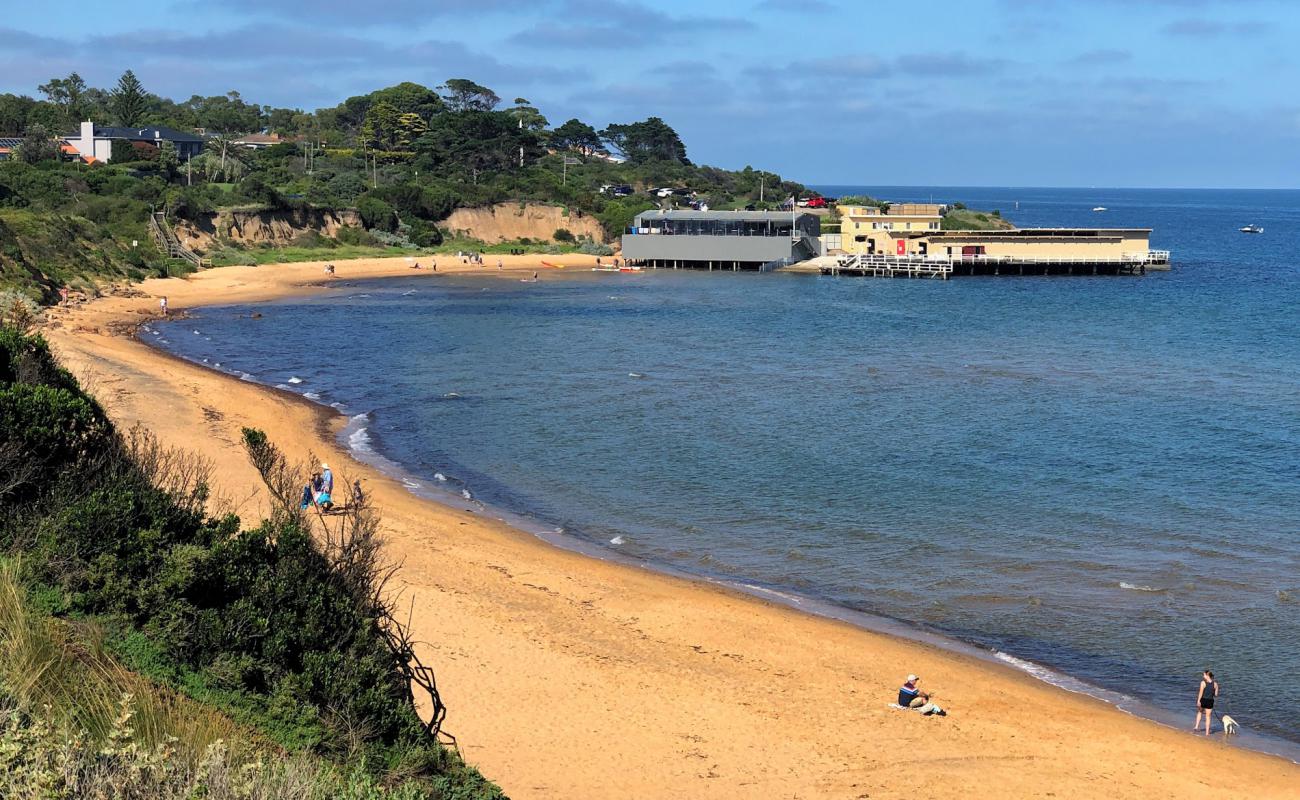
<point x="254" y="227"/>
<point x="505" y="222"/>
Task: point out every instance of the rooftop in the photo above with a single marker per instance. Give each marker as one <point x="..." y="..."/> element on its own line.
<point x="1013" y="233"/>
<point x="148" y="134"/>
<point x="755" y="216"/>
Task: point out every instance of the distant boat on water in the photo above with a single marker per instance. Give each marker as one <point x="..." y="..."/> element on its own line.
<point x="1251" y="229"/>
<point x="1099" y="209"/>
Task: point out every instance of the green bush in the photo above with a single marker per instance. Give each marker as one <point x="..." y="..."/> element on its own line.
<point x="352" y="235"/>
<point x="562" y="235"/>
<point x="377" y="214"/>
<point x="263" y="624"/>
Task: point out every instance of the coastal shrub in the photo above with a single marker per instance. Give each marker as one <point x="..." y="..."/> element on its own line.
<point x="377" y="214"/>
<point x="17" y="310"/>
<point x="392" y="239"/>
<point x="282" y="631"/>
<point x="562" y="235"/>
<point x="595" y="249"/>
<point x="312" y="239"/>
<point x="45" y="433"/>
<point x="353" y="235"/>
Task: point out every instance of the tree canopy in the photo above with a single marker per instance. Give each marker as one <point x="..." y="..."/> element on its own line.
<point x="128" y="101"/>
<point x="578" y="136"/>
<point x="462" y="94"/>
<point x="649" y="140"/>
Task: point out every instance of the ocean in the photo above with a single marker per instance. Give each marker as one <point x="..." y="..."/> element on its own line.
<point x="1096" y="479"/>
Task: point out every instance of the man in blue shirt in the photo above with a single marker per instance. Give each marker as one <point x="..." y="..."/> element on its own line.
<point x="911" y="696"/>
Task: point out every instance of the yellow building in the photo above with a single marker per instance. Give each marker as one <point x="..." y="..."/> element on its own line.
<point x="868" y="229"/>
<point x="914" y="232"/>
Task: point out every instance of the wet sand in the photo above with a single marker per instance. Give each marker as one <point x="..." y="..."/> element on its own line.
<point x="572" y="677"/>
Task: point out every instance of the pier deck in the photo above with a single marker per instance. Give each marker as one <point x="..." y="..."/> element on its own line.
<point x="943" y="268"/>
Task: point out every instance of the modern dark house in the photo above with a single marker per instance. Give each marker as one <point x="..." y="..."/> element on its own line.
<point x="95" y="142"/>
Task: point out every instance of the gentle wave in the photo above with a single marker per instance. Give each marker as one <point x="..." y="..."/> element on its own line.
<point x="1138" y="587"/>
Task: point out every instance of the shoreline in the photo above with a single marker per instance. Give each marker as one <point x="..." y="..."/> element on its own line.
<point x="846" y="674"/>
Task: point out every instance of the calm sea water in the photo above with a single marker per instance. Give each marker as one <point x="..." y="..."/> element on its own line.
<point x="1098" y="475"/>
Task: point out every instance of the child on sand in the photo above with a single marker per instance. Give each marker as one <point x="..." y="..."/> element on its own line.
<point x="162" y="303"/>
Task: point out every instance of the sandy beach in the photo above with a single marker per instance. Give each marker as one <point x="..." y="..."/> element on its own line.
<point x="572" y="677"/>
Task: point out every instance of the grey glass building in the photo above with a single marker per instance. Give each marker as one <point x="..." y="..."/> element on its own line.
<point x="720" y="239"/>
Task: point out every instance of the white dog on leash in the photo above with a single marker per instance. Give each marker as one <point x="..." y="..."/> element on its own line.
<point x="1229" y="724"/>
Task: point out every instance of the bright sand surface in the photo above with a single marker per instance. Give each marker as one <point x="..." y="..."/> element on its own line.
<point x="572" y="677"/>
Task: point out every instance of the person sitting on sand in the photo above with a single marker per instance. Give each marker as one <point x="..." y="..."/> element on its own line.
<point x="911" y="696"/>
<point x="311" y="492"/>
<point x="326" y="487"/>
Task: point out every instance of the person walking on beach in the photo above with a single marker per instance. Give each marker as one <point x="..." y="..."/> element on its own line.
<point x="501" y="263"/>
<point x="1205" y="700"/>
<point x="162" y="303"/>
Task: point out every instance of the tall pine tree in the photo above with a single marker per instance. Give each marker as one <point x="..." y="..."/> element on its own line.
<point x="128" y="101"/>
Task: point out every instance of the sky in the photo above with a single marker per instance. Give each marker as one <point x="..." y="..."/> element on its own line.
<point x="1119" y="93"/>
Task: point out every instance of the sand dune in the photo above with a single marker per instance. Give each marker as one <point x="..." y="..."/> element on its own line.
<point x="570" y="677"/>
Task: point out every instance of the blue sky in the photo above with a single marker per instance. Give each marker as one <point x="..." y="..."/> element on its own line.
<point x="974" y="92"/>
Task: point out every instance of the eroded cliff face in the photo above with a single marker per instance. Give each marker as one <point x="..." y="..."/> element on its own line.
<point x="509" y="221"/>
<point x="254" y="227"/>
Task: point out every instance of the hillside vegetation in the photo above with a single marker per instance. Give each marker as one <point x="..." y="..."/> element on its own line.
<point x="282" y="631"/>
<point x="960" y="218"/>
<point x="404" y="157"/>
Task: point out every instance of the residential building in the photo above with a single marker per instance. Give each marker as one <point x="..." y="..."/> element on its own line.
<point x="259" y="141"/>
<point x="95" y="142"/>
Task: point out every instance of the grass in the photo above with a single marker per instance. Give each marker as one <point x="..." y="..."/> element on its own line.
<point x="277" y="255"/>
<point x="76" y="723"/>
<point x="61" y="670"/>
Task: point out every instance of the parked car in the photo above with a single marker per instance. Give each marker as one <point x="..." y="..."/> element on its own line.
<point x="664" y="193"/>
<point x="817" y="202"/>
<point x="802" y="202"/>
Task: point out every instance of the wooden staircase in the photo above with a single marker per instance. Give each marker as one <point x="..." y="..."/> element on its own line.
<point x="165" y="238"/>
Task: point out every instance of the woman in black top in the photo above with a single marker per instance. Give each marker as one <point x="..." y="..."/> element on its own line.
<point x="1205" y="700"/>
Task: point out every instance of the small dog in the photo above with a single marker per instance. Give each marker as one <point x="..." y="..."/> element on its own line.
<point x="1229" y="724"/>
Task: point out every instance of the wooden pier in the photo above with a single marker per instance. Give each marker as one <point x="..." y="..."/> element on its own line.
<point x="944" y="268"/>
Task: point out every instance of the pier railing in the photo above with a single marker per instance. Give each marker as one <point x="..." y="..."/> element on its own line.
<point x="943" y="267"/>
<point x="166" y="240"/>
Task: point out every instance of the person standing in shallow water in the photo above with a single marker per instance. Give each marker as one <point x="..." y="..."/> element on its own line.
<point x="1205" y="700"/>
